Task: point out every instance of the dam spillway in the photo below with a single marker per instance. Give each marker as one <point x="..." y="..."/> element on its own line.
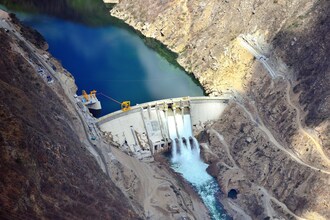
<point x="152" y="127"/>
<point x="170" y="125"/>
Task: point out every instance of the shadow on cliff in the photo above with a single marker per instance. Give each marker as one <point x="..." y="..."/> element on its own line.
<point x="304" y="45"/>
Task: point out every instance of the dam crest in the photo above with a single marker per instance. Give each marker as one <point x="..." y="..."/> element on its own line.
<point x="155" y="127"/>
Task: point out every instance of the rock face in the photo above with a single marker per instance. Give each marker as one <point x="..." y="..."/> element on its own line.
<point x="204" y="32"/>
<point x="45" y="170"/>
<point x="261" y="146"/>
<point x="269" y="178"/>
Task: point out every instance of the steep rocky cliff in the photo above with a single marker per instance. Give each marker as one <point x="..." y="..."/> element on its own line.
<point x="45" y="170"/>
<point x="272" y="144"/>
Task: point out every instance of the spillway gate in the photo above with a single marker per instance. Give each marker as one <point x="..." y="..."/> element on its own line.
<point x="145" y="129"/>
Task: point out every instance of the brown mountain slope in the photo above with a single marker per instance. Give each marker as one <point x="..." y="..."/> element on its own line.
<point x="45" y="171"/>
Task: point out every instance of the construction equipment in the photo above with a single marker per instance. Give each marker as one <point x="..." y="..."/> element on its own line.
<point x="125" y="105"/>
<point x="84" y="93"/>
<point x="90" y="100"/>
<point x="93" y="94"/>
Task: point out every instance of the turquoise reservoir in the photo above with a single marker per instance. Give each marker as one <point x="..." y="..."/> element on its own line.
<point x="112" y="60"/>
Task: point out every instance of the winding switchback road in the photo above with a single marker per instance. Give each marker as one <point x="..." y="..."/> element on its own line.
<point x="245" y="43"/>
<point x="270" y="136"/>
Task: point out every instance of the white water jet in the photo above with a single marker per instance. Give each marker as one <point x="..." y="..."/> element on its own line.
<point x="174" y="150"/>
<point x="195" y="148"/>
<point x="186" y="161"/>
<point x="172" y="127"/>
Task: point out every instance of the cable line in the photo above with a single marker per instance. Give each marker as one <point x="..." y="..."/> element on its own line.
<point x="100" y="93"/>
<point x="125" y="105"/>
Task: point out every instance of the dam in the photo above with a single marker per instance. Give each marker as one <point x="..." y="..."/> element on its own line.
<point x="170" y="125"/>
<point x="155" y="127"/>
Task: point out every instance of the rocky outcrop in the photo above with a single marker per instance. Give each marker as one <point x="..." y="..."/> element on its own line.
<point x="45" y="170"/>
<point x="261" y="146"/>
<point x="304" y="46"/>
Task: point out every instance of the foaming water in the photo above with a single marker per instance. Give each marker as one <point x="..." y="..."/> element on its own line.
<point x="186" y="161"/>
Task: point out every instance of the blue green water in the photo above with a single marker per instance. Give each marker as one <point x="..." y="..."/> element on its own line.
<point x="113" y="61"/>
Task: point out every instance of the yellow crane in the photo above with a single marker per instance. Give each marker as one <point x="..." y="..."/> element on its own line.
<point x="93" y="94"/>
<point x="84" y="93"/>
<point x="125" y="106"/>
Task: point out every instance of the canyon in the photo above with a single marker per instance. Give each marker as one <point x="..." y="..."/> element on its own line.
<point x="271" y="145"/>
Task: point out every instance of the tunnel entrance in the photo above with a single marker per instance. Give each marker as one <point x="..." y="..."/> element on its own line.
<point x="232" y="194"/>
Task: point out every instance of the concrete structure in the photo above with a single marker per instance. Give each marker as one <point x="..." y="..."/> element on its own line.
<point x="144" y="129"/>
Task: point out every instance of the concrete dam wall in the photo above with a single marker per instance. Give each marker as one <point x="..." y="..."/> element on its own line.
<point x="148" y="128"/>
